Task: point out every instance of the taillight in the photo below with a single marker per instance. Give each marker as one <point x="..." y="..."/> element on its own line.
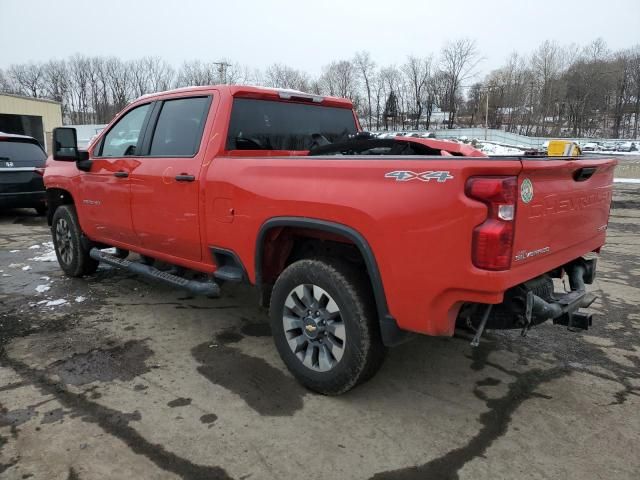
<point x="493" y="239"/>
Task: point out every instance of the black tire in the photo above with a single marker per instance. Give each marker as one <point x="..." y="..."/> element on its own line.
<point x="72" y="248"/>
<point x="363" y="351"/>
<point x="41" y="209"/>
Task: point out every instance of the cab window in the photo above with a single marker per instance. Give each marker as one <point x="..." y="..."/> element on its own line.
<point x="122" y="139"/>
<point x="179" y="127"/>
<point x="272" y="125"/>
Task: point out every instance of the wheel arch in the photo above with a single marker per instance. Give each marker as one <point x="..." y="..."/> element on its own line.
<point x="391" y="333"/>
<point x="55" y="198"/>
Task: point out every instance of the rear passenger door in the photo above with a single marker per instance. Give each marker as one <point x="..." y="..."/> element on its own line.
<point x="165" y="185"/>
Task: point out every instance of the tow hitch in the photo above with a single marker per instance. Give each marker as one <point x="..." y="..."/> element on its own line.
<point x="535" y="302"/>
<point x="565" y="310"/>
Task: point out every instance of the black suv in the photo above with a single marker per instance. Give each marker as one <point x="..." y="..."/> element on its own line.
<point x="22" y="162"/>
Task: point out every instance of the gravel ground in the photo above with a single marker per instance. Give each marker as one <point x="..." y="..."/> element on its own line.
<point x="114" y="377"/>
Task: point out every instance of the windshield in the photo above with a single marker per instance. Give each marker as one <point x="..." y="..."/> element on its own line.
<point x="273" y="125"/>
<point x="20" y="153"/>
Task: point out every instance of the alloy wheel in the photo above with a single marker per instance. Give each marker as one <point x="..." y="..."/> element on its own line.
<point x="314" y="327"/>
<point x="63" y="241"/>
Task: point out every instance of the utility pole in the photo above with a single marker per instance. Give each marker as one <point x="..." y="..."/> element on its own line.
<point x="222" y="70"/>
<point x="486" y="114"/>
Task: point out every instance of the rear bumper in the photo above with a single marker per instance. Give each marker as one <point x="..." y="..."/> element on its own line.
<point x="21" y="189"/>
<point x="22" y="199"/>
<point x="436" y="312"/>
<point x="537" y="301"/>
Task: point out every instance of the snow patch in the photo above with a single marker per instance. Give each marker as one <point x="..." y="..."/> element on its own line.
<point x="33" y="247"/>
<point x="42" y="288"/>
<point x="49" y="256"/>
<point x="15" y="265"/>
<point x="611" y="152"/>
<point x="55" y="303"/>
<point x="14" y="251"/>
<point x="80" y="299"/>
<point x="497" y="149"/>
<point x="26" y="267"/>
<point x="626" y="180"/>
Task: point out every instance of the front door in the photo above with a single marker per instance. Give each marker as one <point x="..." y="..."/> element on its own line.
<point x="105" y="191"/>
<point x="165" y="184"/>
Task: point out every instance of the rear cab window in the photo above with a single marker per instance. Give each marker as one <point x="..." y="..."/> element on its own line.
<point x="18" y="153"/>
<point x="276" y="125"/>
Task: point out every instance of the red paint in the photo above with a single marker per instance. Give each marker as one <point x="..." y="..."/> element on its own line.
<point x="421" y="233"/>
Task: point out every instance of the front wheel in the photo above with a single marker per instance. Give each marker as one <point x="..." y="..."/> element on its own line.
<point x="325" y="325"/>
<point x="71" y="248"/>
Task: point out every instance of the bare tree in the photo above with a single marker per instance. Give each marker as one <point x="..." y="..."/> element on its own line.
<point x="28" y="78"/>
<point x="622" y="91"/>
<point x="366" y="67"/>
<point x="418" y="73"/>
<point x="119" y="82"/>
<point x="194" y="73"/>
<point x="282" y="76"/>
<point x="5" y="83"/>
<point x="79" y="98"/>
<point x="558" y="90"/>
<point x="546" y="64"/>
<point x="634" y="70"/>
<point x="55" y="80"/>
<point x="458" y="59"/>
<point x="340" y="79"/>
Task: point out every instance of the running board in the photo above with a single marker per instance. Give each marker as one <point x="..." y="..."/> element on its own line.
<point x="229" y="273"/>
<point x="208" y="288"/>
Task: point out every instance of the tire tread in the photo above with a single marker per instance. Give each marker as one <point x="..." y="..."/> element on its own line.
<point x="82" y="263"/>
<point x="353" y="284"/>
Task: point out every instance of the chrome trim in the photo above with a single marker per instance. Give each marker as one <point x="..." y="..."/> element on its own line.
<point x="18" y="169"/>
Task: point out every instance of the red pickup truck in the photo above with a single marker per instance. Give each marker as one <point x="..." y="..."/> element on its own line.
<point x="353" y="241"/>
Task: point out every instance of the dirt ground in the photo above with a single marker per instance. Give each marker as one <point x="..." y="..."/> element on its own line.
<point x="114" y="377"/>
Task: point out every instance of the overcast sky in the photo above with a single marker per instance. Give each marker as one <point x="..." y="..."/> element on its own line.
<point x="304" y="35"/>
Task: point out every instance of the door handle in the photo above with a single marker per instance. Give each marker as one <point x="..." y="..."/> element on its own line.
<point x="121" y="174"/>
<point x="183" y="177"/>
<point x="584" y="173"/>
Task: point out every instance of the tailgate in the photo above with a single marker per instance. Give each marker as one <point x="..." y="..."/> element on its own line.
<point x="561" y="204"/>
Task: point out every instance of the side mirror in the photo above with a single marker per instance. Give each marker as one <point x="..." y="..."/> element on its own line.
<point x="65" y="145"/>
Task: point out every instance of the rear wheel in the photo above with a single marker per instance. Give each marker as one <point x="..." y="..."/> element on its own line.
<point x="325" y="325"/>
<point x="72" y="249"/>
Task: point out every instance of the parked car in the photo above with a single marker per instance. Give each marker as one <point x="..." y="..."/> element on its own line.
<point x="609" y="146"/>
<point x="627" y="147"/>
<point x="352" y="241"/>
<point x="22" y="162"/>
<point x="590" y="147"/>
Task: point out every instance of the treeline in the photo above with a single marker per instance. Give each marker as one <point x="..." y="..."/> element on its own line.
<point x="553" y="91"/>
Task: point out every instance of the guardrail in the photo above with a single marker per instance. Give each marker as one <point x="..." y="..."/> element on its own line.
<point x="500" y="136"/>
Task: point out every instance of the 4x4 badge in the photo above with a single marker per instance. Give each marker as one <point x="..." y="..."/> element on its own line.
<point x="440" y="176"/>
<point x="526" y="190"/>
